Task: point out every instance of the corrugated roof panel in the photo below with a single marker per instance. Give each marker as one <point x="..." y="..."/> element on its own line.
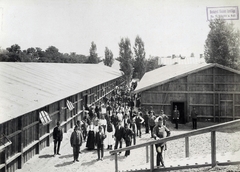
<point x="25" y="87"/>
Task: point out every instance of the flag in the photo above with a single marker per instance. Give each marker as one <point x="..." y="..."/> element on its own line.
<point x="70" y="105"/>
<point x="44" y="117"/>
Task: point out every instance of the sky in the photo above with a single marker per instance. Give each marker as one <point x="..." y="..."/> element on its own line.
<point x="166" y="27"/>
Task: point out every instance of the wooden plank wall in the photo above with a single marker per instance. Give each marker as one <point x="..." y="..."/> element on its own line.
<point x="215" y="93"/>
<point x="29" y="136"/>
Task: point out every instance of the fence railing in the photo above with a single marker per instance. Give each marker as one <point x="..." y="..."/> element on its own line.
<point x="211" y="129"/>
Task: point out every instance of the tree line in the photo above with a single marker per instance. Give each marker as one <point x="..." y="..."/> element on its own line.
<point x="221" y="46"/>
<point x="132" y="65"/>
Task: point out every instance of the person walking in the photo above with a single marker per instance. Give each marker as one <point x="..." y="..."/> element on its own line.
<point x="160" y="131"/>
<point x="176" y="115"/>
<point x="79" y="128"/>
<point x="76" y="140"/>
<point x="91" y="136"/>
<point x="57" y="138"/>
<point x="139" y="120"/>
<point x="134" y="129"/>
<point x="114" y="119"/>
<point x="164" y="117"/>
<point x="100" y="136"/>
<point x="110" y="134"/>
<point x="84" y="129"/>
<point x="118" y="136"/>
<point x="127" y="136"/>
<point x="151" y="123"/>
<point x="146" y="119"/>
<point x="194" y="115"/>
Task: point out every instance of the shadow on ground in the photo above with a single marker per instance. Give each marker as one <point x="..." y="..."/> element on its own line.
<point x="64" y="164"/>
<point x="46" y="156"/>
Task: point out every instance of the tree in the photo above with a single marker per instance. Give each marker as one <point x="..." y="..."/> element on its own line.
<point x="3" y="55"/>
<point x="152" y="63"/>
<point x="108" y="61"/>
<point x="93" y="58"/>
<point x="222" y="45"/>
<point x="125" y="58"/>
<point x="13" y="53"/>
<point x="14" y="49"/>
<point x="139" y="63"/>
<point x="53" y="55"/>
<point x="33" y="54"/>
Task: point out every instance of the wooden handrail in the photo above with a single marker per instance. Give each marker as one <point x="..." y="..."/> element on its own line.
<point x="211" y="129"/>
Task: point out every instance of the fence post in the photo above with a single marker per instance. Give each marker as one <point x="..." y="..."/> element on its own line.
<point x="187" y="146"/>
<point x="147" y="160"/>
<point x="151" y="158"/>
<point x="213" y="148"/>
<point x="116" y="162"/>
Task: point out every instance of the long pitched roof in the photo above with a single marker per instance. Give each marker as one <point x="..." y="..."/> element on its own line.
<point x="171" y="72"/>
<point x="25" y="87"/>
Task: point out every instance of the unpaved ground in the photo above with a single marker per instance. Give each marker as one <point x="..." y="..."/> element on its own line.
<point x="227" y="141"/>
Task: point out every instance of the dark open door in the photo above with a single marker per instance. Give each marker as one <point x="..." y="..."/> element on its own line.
<point x="181" y="106"/>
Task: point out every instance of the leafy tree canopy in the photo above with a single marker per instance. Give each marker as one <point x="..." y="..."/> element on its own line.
<point x="222" y="45"/>
<point x="126" y="59"/>
<point x="139" y="63"/>
<point x="93" y="58"/>
<point x="51" y="55"/>
<point x="108" y="61"/>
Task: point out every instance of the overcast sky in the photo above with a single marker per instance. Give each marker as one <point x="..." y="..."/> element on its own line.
<point x="166" y="26"/>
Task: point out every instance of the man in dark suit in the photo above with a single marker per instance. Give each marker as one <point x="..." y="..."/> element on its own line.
<point x="100" y="136"/>
<point x="118" y="136"/>
<point x="57" y="138"/>
<point x="127" y="135"/>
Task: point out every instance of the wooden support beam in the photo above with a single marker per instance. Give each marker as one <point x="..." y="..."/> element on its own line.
<point x="187" y="146"/>
<point x="233" y="106"/>
<point x="38" y="138"/>
<point x="21" y="139"/>
<point x="214" y="95"/>
<point x="213" y="148"/>
<point x="116" y="162"/>
<point x="151" y="158"/>
<point x="219" y="107"/>
<point x="188" y="100"/>
<point x="147" y="159"/>
<point x="48" y="137"/>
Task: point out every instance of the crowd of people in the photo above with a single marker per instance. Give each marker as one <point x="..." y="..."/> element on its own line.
<point x="109" y="123"/>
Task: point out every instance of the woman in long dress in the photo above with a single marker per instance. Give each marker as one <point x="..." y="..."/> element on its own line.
<point x="91" y="136"/>
<point x="110" y="131"/>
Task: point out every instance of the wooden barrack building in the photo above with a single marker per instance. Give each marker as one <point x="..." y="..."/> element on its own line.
<point x="214" y="90"/>
<point x="34" y="96"/>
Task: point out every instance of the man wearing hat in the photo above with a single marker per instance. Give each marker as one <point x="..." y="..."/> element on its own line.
<point x="118" y="135"/>
<point x="76" y="140"/>
<point x="160" y="131"/>
<point x="127" y="136"/>
<point x="176" y="116"/>
<point x="57" y="138"/>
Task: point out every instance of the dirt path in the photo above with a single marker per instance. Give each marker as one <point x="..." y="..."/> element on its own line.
<point x="199" y="146"/>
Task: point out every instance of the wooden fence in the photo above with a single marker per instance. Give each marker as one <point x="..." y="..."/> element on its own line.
<point x="211" y="129"/>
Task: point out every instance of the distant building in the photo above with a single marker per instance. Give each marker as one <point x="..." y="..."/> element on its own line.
<point x="213" y="89"/>
<point x="169" y="60"/>
<point x="115" y="65"/>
